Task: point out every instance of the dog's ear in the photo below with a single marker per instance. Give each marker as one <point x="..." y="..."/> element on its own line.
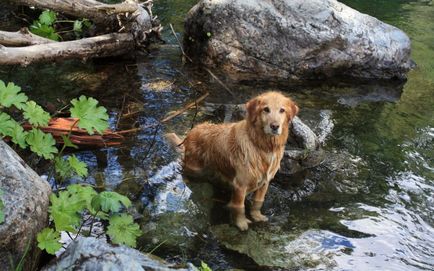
<point x="252" y="107"/>
<point x="293" y="110"/>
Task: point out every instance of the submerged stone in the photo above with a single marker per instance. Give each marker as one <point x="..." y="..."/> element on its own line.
<point x="274" y="247"/>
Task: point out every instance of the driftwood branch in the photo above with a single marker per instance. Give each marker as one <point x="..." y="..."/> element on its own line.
<point x="90" y="9"/>
<point x="131" y="24"/>
<point x="22" y="37"/>
<point x="100" y="46"/>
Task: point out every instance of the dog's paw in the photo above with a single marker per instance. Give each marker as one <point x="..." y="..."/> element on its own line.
<point x="242" y="223"/>
<point x="258" y="217"/>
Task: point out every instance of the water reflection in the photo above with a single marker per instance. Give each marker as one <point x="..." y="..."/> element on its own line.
<point x="369" y="206"/>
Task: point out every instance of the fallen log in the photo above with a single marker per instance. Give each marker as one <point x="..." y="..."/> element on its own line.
<point x="90" y="9"/>
<point x="59" y="127"/>
<point x="23" y="37"/>
<point x="100" y="46"/>
<point x="131" y="25"/>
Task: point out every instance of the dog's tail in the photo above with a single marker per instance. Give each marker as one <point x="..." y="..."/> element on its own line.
<point x="175" y="141"/>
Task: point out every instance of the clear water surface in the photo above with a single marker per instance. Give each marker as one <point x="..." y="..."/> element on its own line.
<point x="370" y="206"/>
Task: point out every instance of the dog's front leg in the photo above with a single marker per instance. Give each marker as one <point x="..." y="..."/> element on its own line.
<point x="258" y="200"/>
<point x="237" y="208"/>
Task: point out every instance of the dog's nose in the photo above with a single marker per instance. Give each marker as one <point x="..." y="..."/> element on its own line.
<point x="274" y="127"/>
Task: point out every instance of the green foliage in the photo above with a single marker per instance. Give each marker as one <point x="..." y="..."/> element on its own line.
<point x="45" y="26"/>
<point x="6" y="124"/>
<point x="48" y="239"/>
<point x="41" y="143"/>
<point x="47" y="17"/>
<point x="204" y="267"/>
<point x="45" y="31"/>
<point x="70" y="167"/>
<point x="68" y="143"/>
<point x="110" y="202"/>
<point x="35" y="114"/>
<point x="67" y="207"/>
<point x="9" y="127"/>
<point x="79" y="167"/>
<point x="9" y="95"/>
<point x="92" y="117"/>
<point x="122" y="230"/>
<point x="67" y="210"/>
<point x="18" y="135"/>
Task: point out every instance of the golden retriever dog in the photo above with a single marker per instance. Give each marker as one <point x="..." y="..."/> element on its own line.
<point x="245" y="154"/>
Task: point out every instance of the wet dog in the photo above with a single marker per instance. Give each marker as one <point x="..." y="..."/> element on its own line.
<point x="245" y="154"/>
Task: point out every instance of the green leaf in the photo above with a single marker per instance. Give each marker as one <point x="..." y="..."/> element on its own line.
<point x="44" y="31"/>
<point x="82" y="193"/>
<point x="78" y="26"/>
<point x="48" y="239"/>
<point x="110" y="201"/>
<point x="68" y="143"/>
<point x="9" y="127"/>
<point x="62" y="167"/>
<point x="79" y="167"/>
<point x="18" y="135"/>
<point x="204" y="267"/>
<point x="35" y="114"/>
<point x="41" y="143"/>
<point x="47" y="17"/>
<point x="123" y="230"/>
<point x="65" y="209"/>
<point x="92" y="117"/>
<point x="6" y="124"/>
<point x="9" y="95"/>
<point x="86" y="23"/>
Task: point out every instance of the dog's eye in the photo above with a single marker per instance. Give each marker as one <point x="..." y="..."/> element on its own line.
<point x="281" y="110"/>
<point x="267" y="109"/>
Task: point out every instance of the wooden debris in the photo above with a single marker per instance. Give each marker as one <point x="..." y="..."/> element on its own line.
<point x="67" y="126"/>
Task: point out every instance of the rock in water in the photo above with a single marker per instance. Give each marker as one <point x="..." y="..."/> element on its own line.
<point x="25" y="198"/>
<point x="294" y="40"/>
<point x="89" y="253"/>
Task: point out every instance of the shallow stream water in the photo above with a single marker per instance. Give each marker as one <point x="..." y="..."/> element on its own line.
<point x="369" y="206"/>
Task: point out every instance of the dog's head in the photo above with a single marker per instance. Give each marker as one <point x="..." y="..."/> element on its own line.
<point x="271" y="112"/>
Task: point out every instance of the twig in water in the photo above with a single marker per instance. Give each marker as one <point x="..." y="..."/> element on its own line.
<point x="185" y="108"/>
<point x="155" y="248"/>
<point x="219" y="81"/>
<point x="211" y="73"/>
<point x="179" y="43"/>
<point x="120" y="113"/>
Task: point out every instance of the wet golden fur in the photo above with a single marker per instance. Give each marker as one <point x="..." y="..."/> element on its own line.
<point x="246" y="154"/>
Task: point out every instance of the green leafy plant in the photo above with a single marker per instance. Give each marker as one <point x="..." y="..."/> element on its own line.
<point x="91" y="117"/>
<point x="204" y="267"/>
<point x="44" y="26"/>
<point x="67" y="210"/>
<point x="69" y="207"/>
<point x="47" y="24"/>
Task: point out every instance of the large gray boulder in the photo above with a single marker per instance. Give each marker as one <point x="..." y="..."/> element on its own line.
<point x="89" y="253"/>
<point x="25" y="198"/>
<point x="294" y="40"/>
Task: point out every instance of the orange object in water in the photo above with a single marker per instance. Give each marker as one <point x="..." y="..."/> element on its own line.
<point x="62" y="126"/>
